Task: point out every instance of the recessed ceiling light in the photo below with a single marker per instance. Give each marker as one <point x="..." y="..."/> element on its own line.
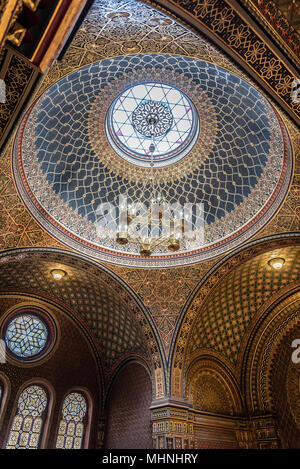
<point x="58" y="274"/>
<point x="276" y="262"/>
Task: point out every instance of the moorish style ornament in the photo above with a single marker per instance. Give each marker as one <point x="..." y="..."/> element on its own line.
<point x="152" y="119"/>
<point x="80" y="147"/>
<point x="28" y="423"/>
<point x="26" y="335"/>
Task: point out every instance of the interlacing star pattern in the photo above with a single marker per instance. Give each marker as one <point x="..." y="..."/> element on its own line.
<point x="26" y="335"/>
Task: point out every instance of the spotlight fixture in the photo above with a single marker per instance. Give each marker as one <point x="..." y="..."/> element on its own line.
<point x="276" y="262"/>
<point x="58" y="274"/>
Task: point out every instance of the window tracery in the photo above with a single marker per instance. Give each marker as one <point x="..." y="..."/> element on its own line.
<point x="71" y="427"/>
<point x="26" y="335"/>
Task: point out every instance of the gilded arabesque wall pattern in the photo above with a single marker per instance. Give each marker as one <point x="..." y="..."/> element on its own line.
<point x="237" y="288"/>
<point x="224" y="319"/>
<point x="275" y="21"/>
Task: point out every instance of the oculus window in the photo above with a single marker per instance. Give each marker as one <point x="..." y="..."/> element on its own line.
<point x="152" y="110"/>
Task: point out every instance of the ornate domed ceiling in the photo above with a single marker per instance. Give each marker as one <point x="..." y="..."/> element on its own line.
<point x="218" y="142"/>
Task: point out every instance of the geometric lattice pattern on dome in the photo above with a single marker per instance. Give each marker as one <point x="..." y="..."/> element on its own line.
<point x="238" y="173"/>
<point x="73" y="171"/>
<point x="27" y="424"/>
<point x="175" y="108"/>
<point x="26" y="335"/>
<point x="225" y="318"/>
<point x="71" y="427"/>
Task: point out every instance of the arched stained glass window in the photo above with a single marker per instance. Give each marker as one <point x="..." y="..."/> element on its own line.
<point x="27" y="424"/>
<point x="71" y="427"/>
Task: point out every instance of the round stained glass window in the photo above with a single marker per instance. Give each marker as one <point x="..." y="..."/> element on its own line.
<point x="26" y="335"/>
<point x="152" y="111"/>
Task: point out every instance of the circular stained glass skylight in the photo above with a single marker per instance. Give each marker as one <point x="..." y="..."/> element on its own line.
<point x="152" y="111"/>
<point x="26" y="335"/>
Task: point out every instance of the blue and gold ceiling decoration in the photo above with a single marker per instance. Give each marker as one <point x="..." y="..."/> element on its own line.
<point x="111" y="29"/>
<point x="239" y="167"/>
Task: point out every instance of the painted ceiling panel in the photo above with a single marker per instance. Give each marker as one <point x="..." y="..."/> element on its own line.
<point x="225" y="317"/>
<point x="94" y="297"/>
<point x="237" y="166"/>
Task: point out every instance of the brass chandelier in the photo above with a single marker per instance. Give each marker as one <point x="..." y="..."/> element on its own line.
<point x="168" y="228"/>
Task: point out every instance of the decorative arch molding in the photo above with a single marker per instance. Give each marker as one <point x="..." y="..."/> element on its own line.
<point x="200" y="294"/>
<point x="211" y="365"/>
<point x="293" y="392"/>
<point x="232" y="29"/>
<point x="256" y="323"/>
<point x="134" y="359"/>
<point x="279" y="318"/>
<point x="39" y="301"/>
<point x="134" y="305"/>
